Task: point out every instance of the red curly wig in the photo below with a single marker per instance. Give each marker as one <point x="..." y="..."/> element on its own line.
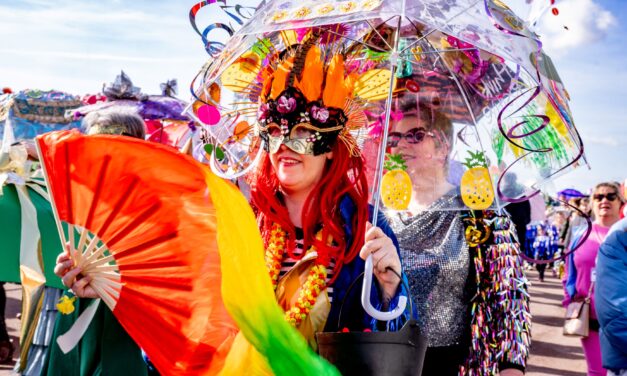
<point x="344" y="175"/>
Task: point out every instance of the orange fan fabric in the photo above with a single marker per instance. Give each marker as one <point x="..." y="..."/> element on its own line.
<point x="150" y="223"/>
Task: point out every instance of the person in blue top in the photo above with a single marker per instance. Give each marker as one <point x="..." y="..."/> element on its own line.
<point x="541" y="249"/>
<point x="611" y="299"/>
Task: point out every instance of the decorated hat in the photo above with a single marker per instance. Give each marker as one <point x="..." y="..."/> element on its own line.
<point x="306" y="90"/>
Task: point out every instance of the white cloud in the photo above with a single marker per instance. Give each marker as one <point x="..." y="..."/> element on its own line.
<point x="97" y="56"/>
<point x="603" y="140"/>
<point x="579" y="23"/>
<point x="76" y="46"/>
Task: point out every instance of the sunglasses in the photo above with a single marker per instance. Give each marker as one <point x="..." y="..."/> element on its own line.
<point x="412" y="136"/>
<point x="609" y="196"/>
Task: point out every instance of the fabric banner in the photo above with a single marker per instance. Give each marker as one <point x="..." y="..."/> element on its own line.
<point x="11" y="229"/>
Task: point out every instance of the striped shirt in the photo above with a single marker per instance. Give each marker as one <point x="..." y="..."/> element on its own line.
<point x="288" y="262"/>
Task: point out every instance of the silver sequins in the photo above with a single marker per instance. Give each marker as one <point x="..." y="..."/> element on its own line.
<point x="436" y="259"/>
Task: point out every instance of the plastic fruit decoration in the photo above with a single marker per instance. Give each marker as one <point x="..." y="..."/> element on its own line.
<point x="476" y="185"/>
<point x="395" y="185"/>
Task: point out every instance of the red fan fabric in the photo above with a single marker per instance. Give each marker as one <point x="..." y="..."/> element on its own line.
<point x="150" y="205"/>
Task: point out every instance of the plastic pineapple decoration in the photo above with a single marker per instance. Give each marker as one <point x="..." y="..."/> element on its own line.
<point x="395" y="185"/>
<point x="476" y="185"/>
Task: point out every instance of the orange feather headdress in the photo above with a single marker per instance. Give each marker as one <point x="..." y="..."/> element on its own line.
<point x="307" y="85"/>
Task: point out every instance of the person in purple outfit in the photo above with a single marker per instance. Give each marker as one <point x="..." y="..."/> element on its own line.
<point x="581" y="270"/>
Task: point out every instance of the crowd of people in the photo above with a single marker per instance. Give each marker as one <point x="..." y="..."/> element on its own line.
<point x="461" y="268"/>
<point x="585" y="235"/>
<point x="302" y="195"/>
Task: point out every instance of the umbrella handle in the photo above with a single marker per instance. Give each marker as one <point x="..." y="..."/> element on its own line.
<point x="365" y="297"/>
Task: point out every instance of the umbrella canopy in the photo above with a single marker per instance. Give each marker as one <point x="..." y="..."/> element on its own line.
<point x="467" y="76"/>
<point x="149" y="107"/>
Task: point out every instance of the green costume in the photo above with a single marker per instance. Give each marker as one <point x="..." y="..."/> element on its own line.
<point x="105" y="348"/>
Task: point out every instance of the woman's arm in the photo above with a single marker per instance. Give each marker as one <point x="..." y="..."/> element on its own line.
<point x="352" y="271"/>
<point x="401" y="289"/>
<point x="386" y="262"/>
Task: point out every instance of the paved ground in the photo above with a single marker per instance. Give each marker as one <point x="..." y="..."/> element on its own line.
<point x="552" y="354"/>
<point x="14" y="305"/>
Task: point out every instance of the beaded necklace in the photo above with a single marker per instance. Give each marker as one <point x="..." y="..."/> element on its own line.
<point x="316" y="280"/>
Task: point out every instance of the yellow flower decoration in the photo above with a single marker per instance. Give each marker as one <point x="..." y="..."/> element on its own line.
<point x="370" y="4"/>
<point x="417" y="52"/>
<point x="326" y="9"/>
<point x="302" y="12"/>
<point x="279" y="16"/>
<point x="66" y="304"/>
<point x="348" y="6"/>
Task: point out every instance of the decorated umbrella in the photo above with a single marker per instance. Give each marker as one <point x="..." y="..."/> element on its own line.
<point x="163" y="114"/>
<point x="471" y="68"/>
<point x="170" y="248"/>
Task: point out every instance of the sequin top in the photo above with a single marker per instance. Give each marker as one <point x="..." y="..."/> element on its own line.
<point x="436" y="260"/>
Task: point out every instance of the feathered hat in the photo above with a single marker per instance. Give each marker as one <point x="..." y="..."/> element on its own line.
<point x="311" y="96"/>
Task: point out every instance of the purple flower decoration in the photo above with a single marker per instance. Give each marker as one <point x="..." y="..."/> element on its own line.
<point x="320" y="113"/>
<point x="286" y="105"/>
<point x="262" y="112"/>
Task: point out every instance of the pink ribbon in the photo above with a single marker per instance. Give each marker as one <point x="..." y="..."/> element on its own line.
<point x="376" y="127"/>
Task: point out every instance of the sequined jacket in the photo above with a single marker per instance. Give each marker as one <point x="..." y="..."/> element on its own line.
<point x="468" y="284"/>
<point x="500" y="325"/>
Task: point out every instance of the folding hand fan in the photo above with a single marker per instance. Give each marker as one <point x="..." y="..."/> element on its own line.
<point x="142" y="225"/>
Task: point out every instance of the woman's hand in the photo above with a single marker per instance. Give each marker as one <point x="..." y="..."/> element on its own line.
<point x="384" y="256"/>
<point x="511" y="372"/>
<point x="71" y="277"/>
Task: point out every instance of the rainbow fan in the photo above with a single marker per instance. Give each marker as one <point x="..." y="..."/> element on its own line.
<point x="170" y="247"/>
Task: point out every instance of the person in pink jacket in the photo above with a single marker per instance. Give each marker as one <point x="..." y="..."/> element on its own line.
<point x="581" y="270"/>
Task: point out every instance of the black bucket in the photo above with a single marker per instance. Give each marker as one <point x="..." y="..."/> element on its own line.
<point x="375" y="353"/>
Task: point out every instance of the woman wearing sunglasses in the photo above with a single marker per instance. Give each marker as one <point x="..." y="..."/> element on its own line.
<point x="443" y="267"/>
<point x="606" y="202"/>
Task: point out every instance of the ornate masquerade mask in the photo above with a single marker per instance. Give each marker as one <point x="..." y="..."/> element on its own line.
<point x="304" y="127"/>
<point x="307" y="101"/>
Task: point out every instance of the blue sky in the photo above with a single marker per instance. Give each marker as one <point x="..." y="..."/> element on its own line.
<point x="76" y="46"/>
<point x="592" y="61"/>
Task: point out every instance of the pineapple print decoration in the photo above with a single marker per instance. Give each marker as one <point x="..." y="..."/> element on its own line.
<point x="476" y="185"/>
<point x="395" y="185"/>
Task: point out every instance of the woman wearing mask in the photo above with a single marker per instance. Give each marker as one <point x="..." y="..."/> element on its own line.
<point x="310" y="196"/>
